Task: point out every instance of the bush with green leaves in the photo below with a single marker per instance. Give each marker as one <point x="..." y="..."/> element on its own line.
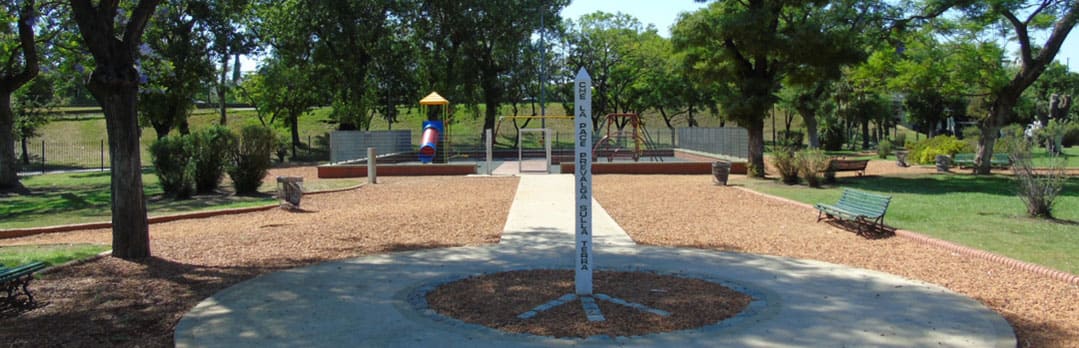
<point x="926" y="150"/>
<point x="884" y="149"/>
<point x="900" y="140"/>
<point x="210" y="149"/>
<point x="811" y="163"/>
<point x="171" y="157"/>
<point x="791" y="139"/>
<point x="1071" y="135"/>
<point x="787" y="166"/>
<point x="250" y="159"/>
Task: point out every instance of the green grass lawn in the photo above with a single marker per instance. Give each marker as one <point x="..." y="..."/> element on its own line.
<point x="978" y="211"/>
<point x="60" y="199"/>
<point x="51" y="254"/>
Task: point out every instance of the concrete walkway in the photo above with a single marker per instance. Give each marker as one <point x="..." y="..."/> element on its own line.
<point x="378" y="300"/>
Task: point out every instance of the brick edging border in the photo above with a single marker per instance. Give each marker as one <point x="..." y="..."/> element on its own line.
<point x="23" y="232"/>
<point x="957" y="248"/>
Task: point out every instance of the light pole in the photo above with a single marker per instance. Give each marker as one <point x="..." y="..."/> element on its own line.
<point x="543" y="71"/>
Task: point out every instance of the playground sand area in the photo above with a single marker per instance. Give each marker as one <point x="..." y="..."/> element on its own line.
<point x="115" y="302"/>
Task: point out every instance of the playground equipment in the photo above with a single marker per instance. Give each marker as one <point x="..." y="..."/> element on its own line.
<point x="613" y="142"/>
<point x="519" y="136"/>
<point x="436" y="130"/>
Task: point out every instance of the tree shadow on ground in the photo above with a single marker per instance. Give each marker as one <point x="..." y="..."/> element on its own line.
<point x="947" y="184"/>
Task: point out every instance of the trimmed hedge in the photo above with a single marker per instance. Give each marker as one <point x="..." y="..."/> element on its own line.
<point x="250" y="159"/>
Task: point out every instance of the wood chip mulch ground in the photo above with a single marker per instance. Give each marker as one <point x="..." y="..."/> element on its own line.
<point x="690" y="211"/>
<point x="111" y="302"/>
<point x="495" y="300"/>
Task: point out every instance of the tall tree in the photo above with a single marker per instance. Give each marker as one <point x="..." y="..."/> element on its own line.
<point x="1019" y="19"/>
<point x="18" y="65"/>
<point x="477" y="39"/>
<point x="176" y="62"/>
<point x="610" y="47"/>
<point x="748" y="47"/>
<point x="351" y="36"/>
<point x="225" y="20"/>
<point x="113" y="34"/>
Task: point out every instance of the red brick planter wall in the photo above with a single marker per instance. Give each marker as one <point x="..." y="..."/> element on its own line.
<point x="360" y="171"/>
<point x="654" y="168"/>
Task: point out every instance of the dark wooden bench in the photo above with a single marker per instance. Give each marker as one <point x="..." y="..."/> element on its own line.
<point x="862" y="207"/>
<point x="844" y="165"/>
<point x="18" y="277"/>
<point x="966" y="160"/>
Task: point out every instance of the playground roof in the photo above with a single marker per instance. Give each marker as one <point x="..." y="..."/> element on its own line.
<point x="434" y="99"/>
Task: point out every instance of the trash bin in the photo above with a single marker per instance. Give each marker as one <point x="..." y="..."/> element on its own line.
<point x="721" y="170"/>
<point x="290" y="189"/>
<point x="943" y="163"/>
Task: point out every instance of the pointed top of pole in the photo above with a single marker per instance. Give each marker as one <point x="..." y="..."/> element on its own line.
<point x="583" y="75"/>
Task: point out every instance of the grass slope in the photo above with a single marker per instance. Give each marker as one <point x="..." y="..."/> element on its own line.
<point x="978" y="211"/>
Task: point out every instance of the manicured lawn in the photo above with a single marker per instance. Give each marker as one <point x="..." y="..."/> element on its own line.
<point x="978" y="211"/>
<point x="52" y="254"/>
<point x="59" y="199"/>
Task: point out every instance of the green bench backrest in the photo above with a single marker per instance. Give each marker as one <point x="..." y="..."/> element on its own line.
<point x="964" y="157"/>
<point x="865" y="203"/>
<point x="21" y="270"/>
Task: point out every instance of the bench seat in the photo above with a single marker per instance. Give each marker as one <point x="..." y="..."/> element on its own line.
<point x="854" y="205"/>
<point x="15" y="278"/>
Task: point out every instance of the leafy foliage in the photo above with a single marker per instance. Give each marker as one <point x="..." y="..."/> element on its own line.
<point x="787" y="165"/>
<point x="250" y="159"/>
<point x="811" y="162"/>
<point x="1037" y="188"/>
<point x="171" y="157"/>
<point x="926" y="150"/>
<point x="884" y="149"/>
<point x="209" y="155"/>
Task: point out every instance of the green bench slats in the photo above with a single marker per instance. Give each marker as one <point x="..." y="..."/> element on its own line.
<point x="860" y="206"/>
<point x="998" y="160"/>
<point x="18" y="277"/>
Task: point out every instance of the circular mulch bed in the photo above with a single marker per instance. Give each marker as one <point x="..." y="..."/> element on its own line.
<point x="495" y="300"/>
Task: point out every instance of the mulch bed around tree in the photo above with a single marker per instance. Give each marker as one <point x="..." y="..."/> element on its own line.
<point x="495" y="300"/>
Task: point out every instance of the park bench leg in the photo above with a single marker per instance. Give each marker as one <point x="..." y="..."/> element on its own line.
<point x="25" y="290"/>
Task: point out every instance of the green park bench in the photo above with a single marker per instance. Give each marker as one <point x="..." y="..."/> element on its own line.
<point x="18" y="277"/>
<point x="966" y="160"/>
<point x="861" y="207"/>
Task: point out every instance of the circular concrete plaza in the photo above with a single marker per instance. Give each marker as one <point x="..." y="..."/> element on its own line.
<point x="377" y="301"/>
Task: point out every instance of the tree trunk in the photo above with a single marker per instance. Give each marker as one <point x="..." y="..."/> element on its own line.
<point x="116" y="89"/>
<point x="865" y="134"/>
<point x="756" y="147"/>
<point x="294" y="125"/>
<point x="810" y="121"/>
<point x="222" y="86"/>
<point x="982" y="159"/>
<point x="9" y="175"/>
<point x="25" y="151"/>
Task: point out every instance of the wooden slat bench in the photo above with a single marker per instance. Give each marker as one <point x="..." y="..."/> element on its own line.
<point x="18" y="277"/>
<point x="844" y="165"/>
<point x="966" y="160"/>
<point x="862" y="207"/>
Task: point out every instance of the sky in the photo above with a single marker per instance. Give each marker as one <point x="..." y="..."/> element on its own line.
<point x="663" y="14"/>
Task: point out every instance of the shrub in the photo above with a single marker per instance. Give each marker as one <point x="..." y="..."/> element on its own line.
<point x="787" y="166"/>
<point x="810" y="164"/>
<point x="250" y="158"/>
<point x="884" y="148"/>
<point x="1071" y="135"/>
<point x="926" y="150"/>
<point x="900" y="140"/>
<point x="1038" y="189"/>
<point x="791" y="139"/>
<point x="832" y="138"/>
<point x="210" y="148"/>
<point x="171" y="158"/>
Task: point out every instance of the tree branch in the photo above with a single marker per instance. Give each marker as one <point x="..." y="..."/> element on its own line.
<point x="1021" y="34"/>
<point x="137" y="23"/>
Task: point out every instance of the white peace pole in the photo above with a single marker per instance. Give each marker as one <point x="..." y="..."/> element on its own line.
<point x="583" y="177"/>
